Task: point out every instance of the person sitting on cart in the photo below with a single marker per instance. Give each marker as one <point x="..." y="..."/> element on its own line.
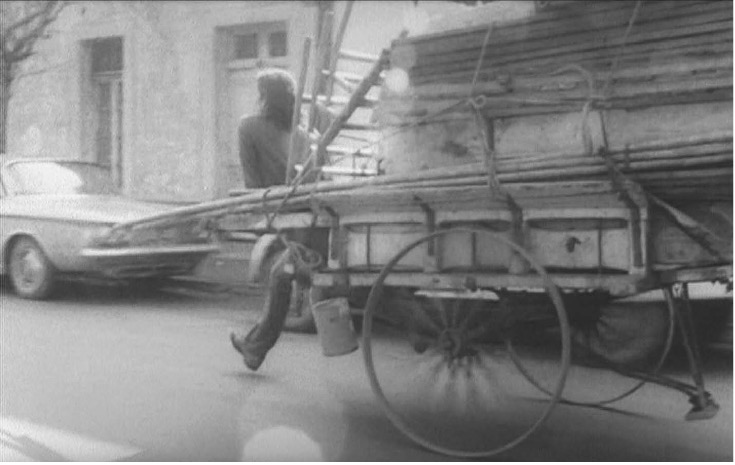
<point x="265" y="137"/>
<point x="264" y="141"/>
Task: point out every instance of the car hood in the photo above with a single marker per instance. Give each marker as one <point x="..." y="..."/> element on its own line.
<point x="86" y="208"/>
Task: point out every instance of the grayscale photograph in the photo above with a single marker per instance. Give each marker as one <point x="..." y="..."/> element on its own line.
<point x="366" y="231"/>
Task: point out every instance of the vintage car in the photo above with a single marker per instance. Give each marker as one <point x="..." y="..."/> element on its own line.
<point x="58" y="221"/>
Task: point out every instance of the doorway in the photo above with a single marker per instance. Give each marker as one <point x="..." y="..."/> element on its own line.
<point x="105" y="85"/>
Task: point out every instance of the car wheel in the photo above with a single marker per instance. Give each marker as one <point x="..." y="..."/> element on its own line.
<point x="31" y="272"/>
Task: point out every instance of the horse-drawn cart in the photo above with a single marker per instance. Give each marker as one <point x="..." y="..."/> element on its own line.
<point x="483" y="314"/>
<point x="538" y="174"/>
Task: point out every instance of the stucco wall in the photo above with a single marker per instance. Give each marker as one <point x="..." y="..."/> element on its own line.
<point x="170" y="92"/>
<point x="168" y="85"/>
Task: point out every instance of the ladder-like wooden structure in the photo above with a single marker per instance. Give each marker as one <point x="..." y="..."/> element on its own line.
<point x="323" y="99"/>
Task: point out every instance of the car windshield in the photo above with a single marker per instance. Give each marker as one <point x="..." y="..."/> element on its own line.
<point x="51" y="177"/>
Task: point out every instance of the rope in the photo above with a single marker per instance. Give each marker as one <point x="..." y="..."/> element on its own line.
<point x="303" y="257"/>
<point x="477" y="103"/>
<point x="489" y="158"/>
<point x="268" y="219"/>
<point x="296" y="183"/>
<point x="485" y="42"/>
<point x="616" y="60"/>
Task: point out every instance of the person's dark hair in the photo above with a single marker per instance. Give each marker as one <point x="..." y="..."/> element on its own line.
<point x="276" y="88"/>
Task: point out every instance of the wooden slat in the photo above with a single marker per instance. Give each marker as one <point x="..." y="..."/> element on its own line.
<point x="358" y="56"/>
<point x="339" y="100"/>
<point x="554" y="83"/>
<point x="597" y="33"/>
<point x="586" y="20"/>
<point x="587" y="46"/>
<point x="334" y="56"/>
<point x="634" y="56"/>
<point x="696" y="274"/>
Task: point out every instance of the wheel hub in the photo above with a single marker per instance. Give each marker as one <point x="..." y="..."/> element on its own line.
<point x="31" y="268"/>
<point x="455" y="345"/>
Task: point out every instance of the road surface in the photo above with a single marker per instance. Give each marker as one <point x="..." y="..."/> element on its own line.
<point x="100" y="374"/>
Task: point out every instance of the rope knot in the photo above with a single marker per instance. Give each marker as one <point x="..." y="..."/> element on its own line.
<point x="478" y="102"/>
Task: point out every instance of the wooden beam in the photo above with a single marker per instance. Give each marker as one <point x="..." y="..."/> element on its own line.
<point x="339" y="100"/>
<point x="358" y="56"/>
<point x="322" y="48"/>
<point x="337" y="79"/>
<point x="336" y="47"/>
<point x="296" y="117"/>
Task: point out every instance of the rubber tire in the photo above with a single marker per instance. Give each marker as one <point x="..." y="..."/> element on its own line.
<point x="43" y="287"/>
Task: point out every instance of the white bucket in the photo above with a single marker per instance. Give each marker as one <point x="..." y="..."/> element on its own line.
<point x="334" y="326"/>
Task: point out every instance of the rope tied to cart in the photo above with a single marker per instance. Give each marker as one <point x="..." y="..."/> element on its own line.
<point x="303" y="258"/>
<point x="476" y="103"/>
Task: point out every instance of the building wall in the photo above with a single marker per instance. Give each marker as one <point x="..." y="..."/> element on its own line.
<point x="171" y="94"/>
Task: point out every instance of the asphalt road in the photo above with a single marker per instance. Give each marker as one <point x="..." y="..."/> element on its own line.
<point x="101" y="374"/>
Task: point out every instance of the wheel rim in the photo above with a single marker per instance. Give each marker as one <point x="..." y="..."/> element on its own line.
<point x="29" y="269"/>
<point x="453" y="348"/>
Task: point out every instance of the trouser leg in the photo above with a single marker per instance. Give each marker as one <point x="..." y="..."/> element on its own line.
<point x="264" y="335"/>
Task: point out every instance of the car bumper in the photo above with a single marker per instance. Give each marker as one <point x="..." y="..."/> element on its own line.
<point x="140" y="262"/>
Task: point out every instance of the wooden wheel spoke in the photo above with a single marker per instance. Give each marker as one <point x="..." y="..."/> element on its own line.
<point x="470" y="314"/>
<point x="424" y="324"/>
<point x="435" y="309"/>
<point x="480" y="330"/>
<point x="454" y="313"/>
<point x="423" y="318"/>
<point x="443" y="311"/>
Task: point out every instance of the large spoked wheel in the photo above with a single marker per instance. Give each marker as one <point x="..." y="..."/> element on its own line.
<point x="31" y="272"/>
<point x="606" y="350"/>
<point x="438" y="363"/>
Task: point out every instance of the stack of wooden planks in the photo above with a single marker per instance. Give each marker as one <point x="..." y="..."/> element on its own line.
<point x="634" y="78"/>
<point x="573" y="94"/>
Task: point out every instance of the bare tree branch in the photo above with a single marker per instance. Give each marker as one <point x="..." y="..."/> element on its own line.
<point x="43" y="11"/>
<point x="24" y="45"/>
<point x="22" y="25"/>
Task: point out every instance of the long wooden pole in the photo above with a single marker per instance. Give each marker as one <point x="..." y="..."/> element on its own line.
<point x="334" y="56"/>
<point x="296" y="116"/>
<point x="465" y="175"/>
<point x="322" y="48"/>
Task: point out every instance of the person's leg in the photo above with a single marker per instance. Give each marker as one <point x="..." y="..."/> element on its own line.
<point x="263" y="336"/>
